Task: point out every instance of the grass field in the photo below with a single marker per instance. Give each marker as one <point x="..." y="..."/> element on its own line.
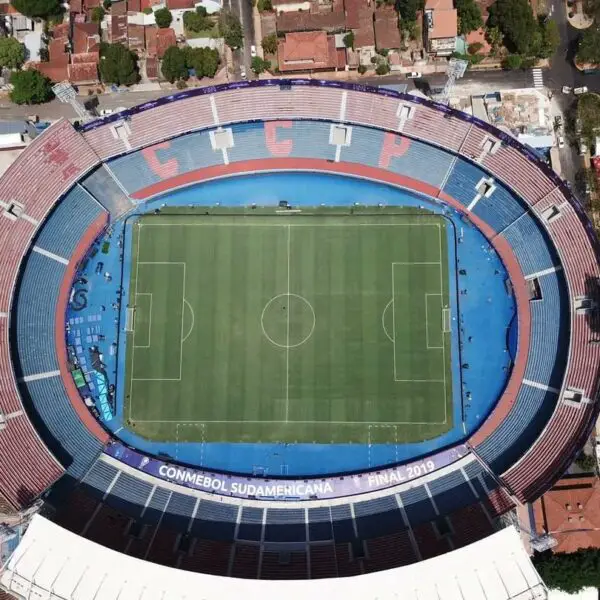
<point x="289" y="328"/>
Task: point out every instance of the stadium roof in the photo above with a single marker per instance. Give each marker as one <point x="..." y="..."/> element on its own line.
<point x="52" y="562"/>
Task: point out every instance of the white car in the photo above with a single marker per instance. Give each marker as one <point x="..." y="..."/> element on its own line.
<point x="106" y="111"/>
<point x="414" y="75"/>
<point x="243" y="72"/>
<point x="580" y="90"/>
<point x="253" y="51"/>
<point x="566" y="89"/>
<point x="561" y="141"/>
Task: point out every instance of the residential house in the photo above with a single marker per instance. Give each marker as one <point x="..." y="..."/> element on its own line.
<point x="309" y="51"/>
<point x="281" y="6"/>
<point x="158" y="40"/>
<point x="136" y="38"/>
<point x="117" y="31"/>
<point x="570" y="513"/>
<point x="329" y="22"/>
<point x="441" y="27"/>
<point x="359" y="18"/>
<point x="387" y="32"/>
<point x="86" y="37"/>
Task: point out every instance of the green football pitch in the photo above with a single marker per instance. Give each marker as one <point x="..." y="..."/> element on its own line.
<point x="328" y="328"/>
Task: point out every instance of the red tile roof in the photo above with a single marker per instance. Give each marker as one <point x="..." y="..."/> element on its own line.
<point x="307" y="51"/>
<point x="359" y="18"/>
<point x="478" y="37"/>
<point x="387" y="33"/>
<point x="83" y="73"/>
<point x="85" y="57"/>
<point x="165" y="38"/>
<point x="570" y="512"/>
<point x="62" y="30"/>
<point x="89" y="4"/>
<point x="445" y="19"/>
<point x="118" y="29"/>
<point x="118" y="8"/>
<point x="57" y="50"/>
<point x="55" y="71"/>
<point x="134" y="5"/>
<point x="135" y="37"/>
<point x="175" y="4"/>
<point x="86" y="37"/>
<point x="76" y="6"/>
<point x="151" y="42"/>
<point x="304" y="21"/>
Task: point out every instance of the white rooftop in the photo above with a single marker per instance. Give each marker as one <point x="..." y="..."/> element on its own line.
<point x="53" y="563"/>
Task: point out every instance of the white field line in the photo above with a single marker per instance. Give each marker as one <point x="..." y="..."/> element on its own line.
<point x="394" y="322"/>
<point x="137" y="272"/>
<point x="429" y="346"/>
<point x="149" y="321"/>
<point x="246" y="224"/>
<point x="443" y="336"/>
<point x="287" y="349"/>
<point x="368" y="423"/>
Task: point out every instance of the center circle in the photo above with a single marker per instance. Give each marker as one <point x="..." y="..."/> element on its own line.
<point x="288" y="320"/>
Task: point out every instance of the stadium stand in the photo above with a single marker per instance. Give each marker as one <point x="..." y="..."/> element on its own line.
<point x="159" y="521"/>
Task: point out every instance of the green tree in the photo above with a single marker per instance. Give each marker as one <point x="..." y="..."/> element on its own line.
<point x="382" y="69"/>
<point x="550" y="38"/>
<point x="474" y="48"/>
<point x="12" y="53"/>
<point x="204" y="61"/>
<point x="264" y="5"/>
<point x="163" y="17"/>
<point x="107" y="4"/>
<point x="30" y="87"/>
<point x="589" y="47"/>
<point x="362" y="69"/>
<point x="349" y="40"/>
<point x="569" y="572"/>
<point x="269" y="43"/>
<point x="37" y="8"/>
<point x="587" y="462"/>
<point x="469" y="16"/>
<point x="147" y="10"/>
<point x="512" y="62"/>
<point x="231" y="29"/>
<point x="588" y="116"/>
<point x="194" y="21"/>
<point x="408" y="10"/>
<point x="258" y="65"/>
<point x="201" y="11"/>
<point x="515" y="20"/>
<point x="97" y="14"/>
<point x="173" y="65"/>
<point x="495" y="38"/>
<point x="118" y="65"/>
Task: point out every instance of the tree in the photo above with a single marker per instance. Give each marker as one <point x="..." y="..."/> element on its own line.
<point x="269" y="43"/>
<point x="231" y="29"/>
<point x="382" y="69"/>
<point x="569" y="572"/>
<point x="408" y="10"/>
<point x="194" y="21"/>
<point x="264" y="5"/>
<point x="494" y="36"/>
<point x="588" y="117"/>
<point x="30" y="87"/>
<point x="163" y="17"/>
<point x="12" y="53"/>
<point x="173" y="65"/>
<point x="349" y="40"/>
<point x="586" y="462"/>
<point x="201" y="11"/>
<point x="515" y="20"/>
<point x="147" y="10"/>
<point x="550" y="38"/>
<point x="469" y="16"/>
<point x="362" y="69"/>
<point x="474" y="48"/>
<point x="97" y="14"/>
<point x="204" y="61"/>
<point x="258" y="65"/>
<point x="107" y="4"/>
<point x="118" y="65"/>
<point x="37" y="8"/>
<point x="589" y="47"/>
<point x="512" y="62"/>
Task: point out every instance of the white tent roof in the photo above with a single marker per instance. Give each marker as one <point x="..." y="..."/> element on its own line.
<point x="52" y="563"/>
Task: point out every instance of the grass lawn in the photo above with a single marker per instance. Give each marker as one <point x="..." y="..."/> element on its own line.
<point x="289" y="328"/>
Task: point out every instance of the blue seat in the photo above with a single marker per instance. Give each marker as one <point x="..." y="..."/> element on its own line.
<point x="519" y="429"/>
<point x="129" y="494"/>
<point x="342" y="523"/>
<point x="105" y="189"/>
<point x="179" y="511"/>
<point x="285" y="525"/>
<point x="549" y="332"/>
<point x="451" y="492"/>
<point x="99" y="478"/>
<point x="248" y="142"/>
<point x="417" y="505"/>
<point x="499" y="209"/>
<point x="153" y="513"/>
<point x="215" y="520"/>
<point x="531" y="246"/>
<point x="319" y="524"/>
<point x="250" y="527"/>
<point x="61" y="426"/>
<point x="64" y="228"/>
<point x="462" y="181"/>
<point x="377" y="517"/>
<point x="35" y="320"/>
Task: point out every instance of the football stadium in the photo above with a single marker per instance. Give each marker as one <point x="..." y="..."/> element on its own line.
<point x="287" y="331"/>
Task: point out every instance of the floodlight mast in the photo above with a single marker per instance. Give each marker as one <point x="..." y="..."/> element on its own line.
<point x="456" y="69"/>
<point x="66" y="94"/>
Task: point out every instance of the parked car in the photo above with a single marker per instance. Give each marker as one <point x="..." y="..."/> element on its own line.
<point x="566" y="89"/>
<point x="253" y="51"/>
<point x="243" y="72"/>
<point x="414" y="75"/>
<point x="106" y="111"/>
<point x="561" y="141"/>
<point x="580" y="90"/>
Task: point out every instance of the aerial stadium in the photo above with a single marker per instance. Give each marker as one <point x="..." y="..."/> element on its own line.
<point x="287" y="330"/>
